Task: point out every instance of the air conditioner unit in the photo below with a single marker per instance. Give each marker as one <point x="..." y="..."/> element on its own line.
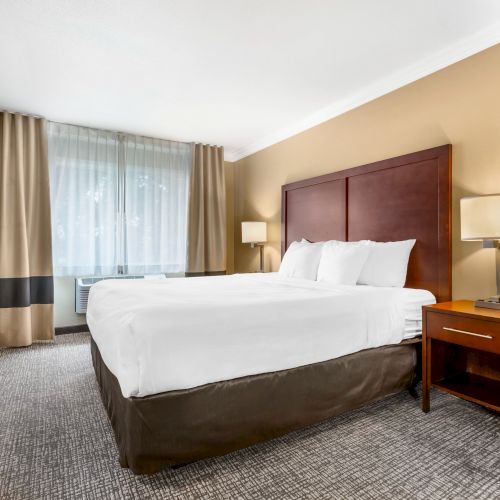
<point x="83" y="284"/>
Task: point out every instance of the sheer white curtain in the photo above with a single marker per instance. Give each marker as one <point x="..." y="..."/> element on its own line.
<point x="83" y="165"/>
<point x="157" y="176"/>
<point x="119" y="202"/>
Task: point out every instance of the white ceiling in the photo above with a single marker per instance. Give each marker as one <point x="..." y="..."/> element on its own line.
<point x="239" y="73"/>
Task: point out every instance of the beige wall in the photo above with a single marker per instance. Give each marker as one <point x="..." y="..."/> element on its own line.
<point x="458" y="105"/>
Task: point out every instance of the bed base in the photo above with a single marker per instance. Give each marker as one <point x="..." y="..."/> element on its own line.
<point x="178" y="427"/>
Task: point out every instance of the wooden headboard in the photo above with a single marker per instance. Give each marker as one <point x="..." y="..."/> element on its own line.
<point x="396" y="199"/>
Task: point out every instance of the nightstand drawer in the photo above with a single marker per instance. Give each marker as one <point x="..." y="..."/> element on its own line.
<point x="475" y="333"/>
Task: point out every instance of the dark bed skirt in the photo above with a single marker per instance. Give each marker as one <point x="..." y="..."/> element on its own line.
<point x="183" y="426"/>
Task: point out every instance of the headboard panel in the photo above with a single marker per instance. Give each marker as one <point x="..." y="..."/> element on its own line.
<point x="395" y="199"/>
<point x="303" y="205"/>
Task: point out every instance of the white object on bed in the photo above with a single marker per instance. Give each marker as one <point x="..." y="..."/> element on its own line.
<point x="178" y="333"/>
<point x="387" y="264"/>
<point x="341" y="263"/>
<point x="301" y="260"/>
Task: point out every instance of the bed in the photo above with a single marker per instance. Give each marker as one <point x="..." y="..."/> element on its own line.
<point x="190" y="368"/>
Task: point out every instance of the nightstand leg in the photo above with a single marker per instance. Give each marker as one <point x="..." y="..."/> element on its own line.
<point x="426" y="374"/>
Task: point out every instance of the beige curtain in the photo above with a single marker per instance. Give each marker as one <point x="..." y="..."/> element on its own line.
<point x="26" y="283"/>
<point x="207" y="212"/>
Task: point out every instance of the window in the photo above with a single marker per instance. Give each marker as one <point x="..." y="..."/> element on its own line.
<point x="157" y="175"/>
<point x="119" y="202"/>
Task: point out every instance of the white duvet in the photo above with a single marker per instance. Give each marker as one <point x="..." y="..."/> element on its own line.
<point x="165" y="335"/>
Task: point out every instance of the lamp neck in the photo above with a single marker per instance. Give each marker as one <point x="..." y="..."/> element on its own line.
<point x="260" y="246"/>
<point x="491" y="244"/>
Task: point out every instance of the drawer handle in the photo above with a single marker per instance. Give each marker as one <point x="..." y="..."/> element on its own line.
<point x="489" y="337"/>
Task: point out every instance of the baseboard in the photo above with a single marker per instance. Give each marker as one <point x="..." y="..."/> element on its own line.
<point x="62" y="330"/>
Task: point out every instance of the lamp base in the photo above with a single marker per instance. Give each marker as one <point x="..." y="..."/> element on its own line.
<point x="490" y="303"/>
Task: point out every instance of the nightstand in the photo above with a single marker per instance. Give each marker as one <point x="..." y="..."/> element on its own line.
<point x="461" y="352"/>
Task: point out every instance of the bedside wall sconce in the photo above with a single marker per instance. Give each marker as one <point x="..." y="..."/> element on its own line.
<point x="255" y="233"/>
<point x="480" y="221"/>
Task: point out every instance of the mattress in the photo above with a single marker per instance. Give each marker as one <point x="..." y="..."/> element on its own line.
<point x="413" y="300"/>
<point x="165" y="335"/>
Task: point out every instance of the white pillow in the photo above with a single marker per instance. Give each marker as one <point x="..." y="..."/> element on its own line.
<point x="387" y="264"/>
<point x="301" y="260"/>
<point x="341" y="262"/>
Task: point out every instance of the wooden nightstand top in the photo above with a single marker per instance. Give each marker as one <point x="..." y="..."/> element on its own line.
<point x="465" y="308"/>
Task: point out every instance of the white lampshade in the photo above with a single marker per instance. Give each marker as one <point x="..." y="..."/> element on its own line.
<point x="480" y="217"/>
<point x="253" y="232"/>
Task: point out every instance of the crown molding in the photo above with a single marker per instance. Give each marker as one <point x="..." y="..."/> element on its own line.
<point x="465" y="48"/>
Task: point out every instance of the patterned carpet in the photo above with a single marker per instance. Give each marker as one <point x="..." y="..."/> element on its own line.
<point x="56" y="443"/>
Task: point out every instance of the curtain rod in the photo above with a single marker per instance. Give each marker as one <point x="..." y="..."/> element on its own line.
<point x="132" y="134"/>
<point x="119" y="132"/>
<point x="4" y="110"/>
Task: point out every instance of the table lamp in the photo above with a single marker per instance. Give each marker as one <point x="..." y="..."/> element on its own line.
<point x="255" y="233"/>
<point x="480" y="221"/>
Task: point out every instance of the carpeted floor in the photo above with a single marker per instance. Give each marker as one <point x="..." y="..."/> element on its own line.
<point x="56" y="443"/>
